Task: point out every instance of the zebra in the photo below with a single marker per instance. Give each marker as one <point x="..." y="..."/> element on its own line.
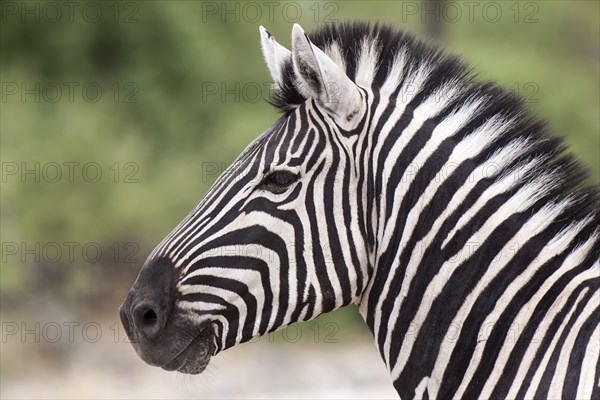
<point x="394" y="180"/>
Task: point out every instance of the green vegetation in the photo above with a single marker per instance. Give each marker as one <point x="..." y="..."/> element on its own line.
<point x="159" y="133"/>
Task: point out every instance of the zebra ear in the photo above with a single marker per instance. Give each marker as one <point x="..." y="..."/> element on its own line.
<point x="275" y="54"/>
<point x="320" y="78"/>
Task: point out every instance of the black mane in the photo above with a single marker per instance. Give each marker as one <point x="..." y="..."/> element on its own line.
<point x="389" y="41"/>
<point x="446" y="69"/>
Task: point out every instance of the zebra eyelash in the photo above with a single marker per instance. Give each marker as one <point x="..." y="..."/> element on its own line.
<point x="278" y="181"/>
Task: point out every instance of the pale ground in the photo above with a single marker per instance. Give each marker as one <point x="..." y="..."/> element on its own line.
<point x="110" y="369"/>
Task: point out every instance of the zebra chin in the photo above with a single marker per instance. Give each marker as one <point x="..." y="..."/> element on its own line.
<point x="194" y="358"/>
<point x="162" y="334"/>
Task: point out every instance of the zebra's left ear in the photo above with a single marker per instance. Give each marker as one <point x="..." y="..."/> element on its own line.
<point x="320" y="78"/>
<point x="275" y="54"/>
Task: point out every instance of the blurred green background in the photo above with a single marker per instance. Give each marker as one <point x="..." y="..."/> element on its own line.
<point x="116" y="118"/>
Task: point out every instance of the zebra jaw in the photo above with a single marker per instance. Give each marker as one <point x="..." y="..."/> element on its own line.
<point x="194" y="357"/>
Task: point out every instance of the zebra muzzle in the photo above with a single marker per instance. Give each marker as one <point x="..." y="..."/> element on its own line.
<point x="161" y="334"/>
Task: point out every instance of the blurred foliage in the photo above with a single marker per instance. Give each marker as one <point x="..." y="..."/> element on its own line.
<point x="165" y="56"/>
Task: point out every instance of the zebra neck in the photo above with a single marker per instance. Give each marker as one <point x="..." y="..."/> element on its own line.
<point x="459" y="225"/>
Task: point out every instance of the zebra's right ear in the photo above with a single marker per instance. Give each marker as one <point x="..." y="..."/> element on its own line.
<point x="275" y="54"/>
<point x="320" y="78"/>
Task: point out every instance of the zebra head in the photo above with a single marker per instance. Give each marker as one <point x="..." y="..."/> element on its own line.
<point x="277" y="239"/>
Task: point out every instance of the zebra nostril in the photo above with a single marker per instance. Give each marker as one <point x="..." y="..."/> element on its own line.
<point x="150" y="300"/>
<point x="147" y="318"/>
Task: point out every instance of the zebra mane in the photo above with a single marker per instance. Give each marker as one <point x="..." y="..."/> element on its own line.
<point x="361" y="49"/>
<point x="374" y="53"/>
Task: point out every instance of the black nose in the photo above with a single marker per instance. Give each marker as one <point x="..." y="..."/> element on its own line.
<point x="148" y="317"/>
<point x="145" y="311"/>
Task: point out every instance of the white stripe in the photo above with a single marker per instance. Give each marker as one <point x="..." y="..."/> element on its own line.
<point x="590" y="360"/>
<point x="522" y="200"/>
<point x="251" y="278"/>
<point x="562" y="364"/>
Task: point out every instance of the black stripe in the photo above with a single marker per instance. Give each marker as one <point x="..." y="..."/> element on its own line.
<point x="578" y="353"/>
<point x="544" y="387"/>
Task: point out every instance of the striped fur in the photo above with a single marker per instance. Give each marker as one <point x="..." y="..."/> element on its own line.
<point x="448" y="214"/>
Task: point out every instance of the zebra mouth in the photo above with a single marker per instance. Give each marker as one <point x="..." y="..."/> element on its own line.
<point x="194" y="357"/>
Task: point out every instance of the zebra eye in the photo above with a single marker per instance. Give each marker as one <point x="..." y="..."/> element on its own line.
<point x="278" y="181"/>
